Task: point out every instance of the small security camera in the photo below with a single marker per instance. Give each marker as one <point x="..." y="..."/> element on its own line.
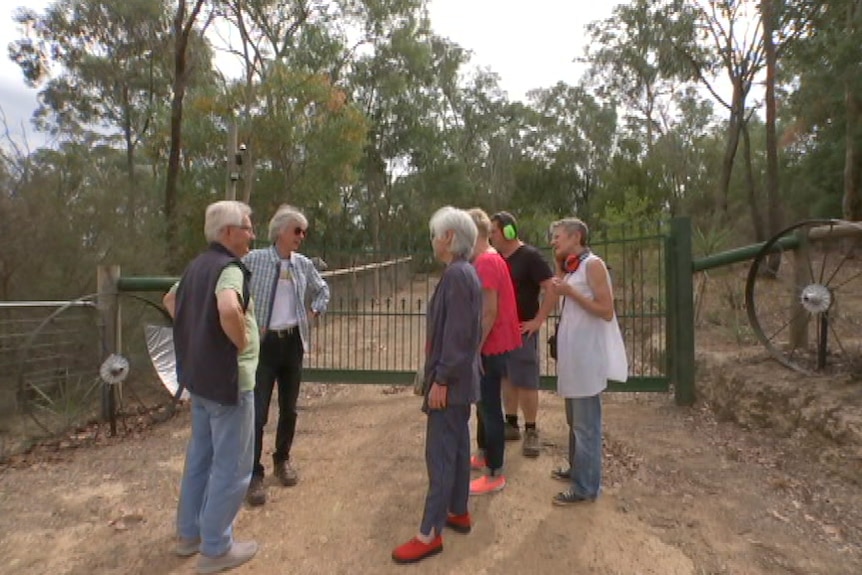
<point x="242" y="148"/>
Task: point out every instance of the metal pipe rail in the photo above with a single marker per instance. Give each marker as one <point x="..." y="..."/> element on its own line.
<point x="738" y="255"/>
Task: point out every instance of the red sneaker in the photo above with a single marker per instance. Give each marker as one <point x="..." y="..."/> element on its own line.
<point x="414" y="550"/>
<point x="459" y="523"/>
<point x="487" y="484"/>
<point x="477" y="462"/>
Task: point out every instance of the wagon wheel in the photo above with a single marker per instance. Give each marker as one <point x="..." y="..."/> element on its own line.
<point x="143" y="391"/>
<point x="804" y="296"/>
<point x="59" y="385"/>
<point x="59" y="381"/>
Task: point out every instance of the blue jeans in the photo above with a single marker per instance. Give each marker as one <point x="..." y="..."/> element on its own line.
<point x="491" y="433"/>
<point x="217" y="471"/>
<point x="584" y="416"/>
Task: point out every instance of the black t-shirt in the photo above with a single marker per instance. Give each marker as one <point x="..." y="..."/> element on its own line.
<point x="529" y="269"/>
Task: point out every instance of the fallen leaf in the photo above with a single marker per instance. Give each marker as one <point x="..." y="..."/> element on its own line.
<point x="778" y="516"/>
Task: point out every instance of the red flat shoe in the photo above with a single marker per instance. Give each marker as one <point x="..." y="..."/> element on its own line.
<point x="414" y="550"/>
<point x="459" y="523"/>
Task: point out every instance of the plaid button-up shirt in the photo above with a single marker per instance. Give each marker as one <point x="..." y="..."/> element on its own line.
<point x="265" y="265"/>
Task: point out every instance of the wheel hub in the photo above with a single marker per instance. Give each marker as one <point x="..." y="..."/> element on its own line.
<point x="816" y="298"/>
<point x="114" y="369"/>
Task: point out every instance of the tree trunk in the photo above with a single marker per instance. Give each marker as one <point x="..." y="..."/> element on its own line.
<point x="734" y="128"/>
<point x="773" y="197"/>
<point x="131" y="204"/>
<point x="182" y="29"/>
<point x="851" y="202"/>
<point x="753" y="197"/>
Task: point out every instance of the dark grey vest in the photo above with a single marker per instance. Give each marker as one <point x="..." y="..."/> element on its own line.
<point x="207" y="362"/>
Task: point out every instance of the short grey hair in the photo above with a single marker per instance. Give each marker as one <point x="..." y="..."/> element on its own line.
<point x="465" y="232"/>
<point x="222" y="214"/>
<point x="284" y="216"/>
<point x="572" y="225"/>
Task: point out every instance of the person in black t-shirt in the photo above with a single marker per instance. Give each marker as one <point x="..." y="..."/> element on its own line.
<point x="532" y="278"/>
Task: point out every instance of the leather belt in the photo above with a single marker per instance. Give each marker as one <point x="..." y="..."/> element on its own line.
<point x="284" y="332"/>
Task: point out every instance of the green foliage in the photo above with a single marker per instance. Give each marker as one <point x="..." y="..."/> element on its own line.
<point x="362" y="116"/>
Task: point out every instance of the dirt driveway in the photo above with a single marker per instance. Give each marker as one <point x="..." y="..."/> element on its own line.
<point x="684" y="495"/>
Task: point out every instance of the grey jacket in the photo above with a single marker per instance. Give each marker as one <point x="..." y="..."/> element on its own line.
<point x="453" y="334"/>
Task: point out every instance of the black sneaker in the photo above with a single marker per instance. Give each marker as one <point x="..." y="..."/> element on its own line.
<point x="256" y="494"/>
<point x="569" y="497"/>
<point x="562" y="474"/>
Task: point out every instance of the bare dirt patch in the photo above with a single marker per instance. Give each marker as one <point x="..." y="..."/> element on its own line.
<point x="762" y="477"/>
<point x="684" y="494"/>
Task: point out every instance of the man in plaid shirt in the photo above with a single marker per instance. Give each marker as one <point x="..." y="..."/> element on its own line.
<point x="280" y="280"/>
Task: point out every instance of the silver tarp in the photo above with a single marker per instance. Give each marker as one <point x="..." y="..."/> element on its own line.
<point x="160" y="344"/>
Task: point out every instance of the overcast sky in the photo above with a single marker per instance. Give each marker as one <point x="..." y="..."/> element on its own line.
<point x="529" y="44"/>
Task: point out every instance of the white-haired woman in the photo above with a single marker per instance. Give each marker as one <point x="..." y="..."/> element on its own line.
<point x="453" y="336"/>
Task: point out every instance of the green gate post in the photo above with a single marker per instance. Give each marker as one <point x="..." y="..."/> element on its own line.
<point x="670" y="314"/>
<point x="682" y="290"/>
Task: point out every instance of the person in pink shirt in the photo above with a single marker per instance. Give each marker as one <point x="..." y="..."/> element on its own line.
<point x="500" y="335"/>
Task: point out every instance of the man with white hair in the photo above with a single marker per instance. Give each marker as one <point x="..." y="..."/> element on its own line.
<point x="280" y="280"/>
<point x="215" y="335"/>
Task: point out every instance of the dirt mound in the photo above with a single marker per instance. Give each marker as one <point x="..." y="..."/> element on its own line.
<point x="754" y="391"/>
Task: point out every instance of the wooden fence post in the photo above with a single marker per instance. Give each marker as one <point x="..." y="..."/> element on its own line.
<point x="109" y="308"/>
<point x="108" y="305"/>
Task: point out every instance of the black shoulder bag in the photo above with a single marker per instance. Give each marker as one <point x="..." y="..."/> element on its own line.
<point x="552" y="340"/>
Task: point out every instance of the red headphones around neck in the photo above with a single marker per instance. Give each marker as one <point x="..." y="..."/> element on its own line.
<point x="573" y="262"/>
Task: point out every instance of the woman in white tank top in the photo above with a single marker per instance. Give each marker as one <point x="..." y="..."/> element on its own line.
<point x="589" y="352"/>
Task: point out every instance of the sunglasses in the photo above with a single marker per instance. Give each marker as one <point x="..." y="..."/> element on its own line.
<point x="298" y="231"/>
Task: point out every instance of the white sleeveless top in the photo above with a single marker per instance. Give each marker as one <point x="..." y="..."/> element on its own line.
<point x="590" y="350"/>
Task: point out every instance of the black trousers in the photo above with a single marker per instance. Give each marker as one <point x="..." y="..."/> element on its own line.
<point x="280" y="361"/>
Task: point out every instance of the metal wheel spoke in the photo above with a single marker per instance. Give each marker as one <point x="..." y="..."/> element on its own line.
<point x="838" y="269"/>
<point x="837" y="339"/>
<point x="787" y="323"/>
<point x="847" y="281"/>
<point x="810" y="266"/>
<point x="41" y="393"/>
<point x="823" y="266"/>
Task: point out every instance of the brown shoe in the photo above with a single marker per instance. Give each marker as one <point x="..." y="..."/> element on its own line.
<point x="286" y="473"/>
<point x="531" y="447"/>
<point x="256" y="494"/>
<point x="512" y="432"/>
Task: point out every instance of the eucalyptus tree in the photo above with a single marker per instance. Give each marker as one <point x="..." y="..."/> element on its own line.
<point x="303" y="134"/>
<point x="184" y="32"/>
<point x="100" y="69"/>
<point x="105" y="70"/>
<point x="573" y="140"/>
<point x="399" y="83"/>
<point x="631" y="61"/>
<point x="825" y="66"/>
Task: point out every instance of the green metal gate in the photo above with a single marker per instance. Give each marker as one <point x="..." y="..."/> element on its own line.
<point x="374" y="329"/>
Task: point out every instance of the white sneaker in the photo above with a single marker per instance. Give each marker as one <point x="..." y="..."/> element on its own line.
<point x="239" y="553"/>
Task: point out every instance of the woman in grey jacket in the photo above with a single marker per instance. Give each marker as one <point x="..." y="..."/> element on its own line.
<point x="453" y="335"/>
